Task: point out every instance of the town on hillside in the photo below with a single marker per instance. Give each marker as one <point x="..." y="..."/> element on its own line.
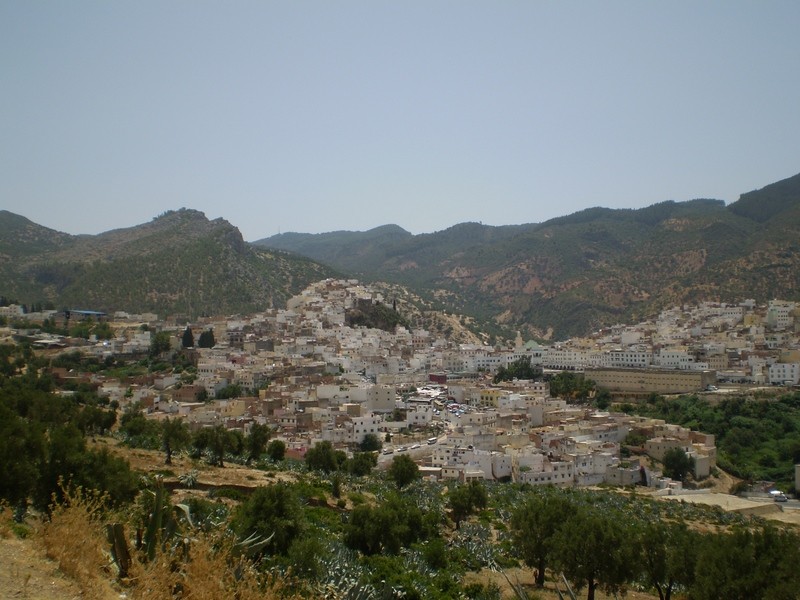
<point x="309" y="376"/>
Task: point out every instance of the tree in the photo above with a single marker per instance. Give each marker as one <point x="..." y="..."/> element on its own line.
<point x="276" y="450"/>
<point x="159" y="343"/>
<point x="748" y="563"/>
<point x="139" y="431"/>
<point x="668" y="553"/>
<point x="394" y="524"/>
<point x="217" y="440"/>
<point x="22" y="448"/>
<point x="304" y="556"/>
<point x="603" y="399"/>
<point x="322" y="457"/>
<point x="103" y="331"/>
<point x="271" y="511"/>
<point x="256" y="441"/>
<point x="174" y="436"/>
<point x="533" y="526"/>
<point x="403" y="470"/>
<point x="108" y="473"/>
<point x="92" y="419"/>
<point x="518" y="369"/>
<point x="233" y="390"/>
<point x="207" y="339"/>
<point x="187" y="341"/>
<point x="370" y="443"/>
<point x="460" y="504"/>
<point x="466" y="499"/>
<point x="361" y="464"/>
<point x="677" y="464"/>
<point x="593" y="548"/>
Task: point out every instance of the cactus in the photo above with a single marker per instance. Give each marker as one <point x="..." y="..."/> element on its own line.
<point x="150" y="540"/>
<point x="119" y="548"/>
<point x="161" y="528"/>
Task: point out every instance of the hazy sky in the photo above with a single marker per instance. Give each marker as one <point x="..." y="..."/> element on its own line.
<point x="318" y="116"/>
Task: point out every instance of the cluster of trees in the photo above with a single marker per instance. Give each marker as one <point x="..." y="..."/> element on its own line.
<point x="324" y="458"/>
<point x="78" y="329"/>
<point x="43" y="437"/>
<point x="756" y="439"/>
<point x="395" y="523"/>
<point x="171" y="435"/>
<point x="282" y="516"/>
<point x="160" y="341"/>
<point x="518" y="369"/>
<point x="571" y="386"/>
<point x="599" y="545"/>
<point x="376" y="315"/>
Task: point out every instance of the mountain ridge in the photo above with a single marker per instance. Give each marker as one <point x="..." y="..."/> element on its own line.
<point x="180" y="262"/>
<point x="551" y="280"/>
<point x="598" y="266"/>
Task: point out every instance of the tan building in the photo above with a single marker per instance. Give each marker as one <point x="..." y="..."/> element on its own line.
<point x="648" y="381"/>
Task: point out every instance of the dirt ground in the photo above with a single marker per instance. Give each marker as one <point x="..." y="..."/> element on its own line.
<point x="152" y="461"/>
<point x="25" y="572"/>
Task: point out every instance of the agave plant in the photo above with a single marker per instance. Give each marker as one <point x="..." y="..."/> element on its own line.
<point x="189" y="480"/>
<point x="162" y="528"/>
<point x="344" y="578"/>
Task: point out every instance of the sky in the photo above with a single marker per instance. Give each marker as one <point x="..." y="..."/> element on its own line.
<point x="316" y="116"/>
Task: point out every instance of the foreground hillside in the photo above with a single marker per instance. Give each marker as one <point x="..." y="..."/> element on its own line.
<point x="597" y="267"/>
<point x="180" y="262"/>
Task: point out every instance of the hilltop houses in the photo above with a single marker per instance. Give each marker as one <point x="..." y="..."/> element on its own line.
<point x="309" y="376"/>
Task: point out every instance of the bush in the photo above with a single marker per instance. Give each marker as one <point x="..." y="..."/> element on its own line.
<point x="273" y="511"/>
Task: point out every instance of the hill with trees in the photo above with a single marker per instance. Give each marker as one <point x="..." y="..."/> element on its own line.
<point x="333" y="525"/>
<point x="180" y="262"/>
<point x="594" y="268"/>
<point x="757" y="439"/>
<point x="552" y="280"/>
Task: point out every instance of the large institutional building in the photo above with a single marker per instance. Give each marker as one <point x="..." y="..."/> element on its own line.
<point x="648" y="381"/>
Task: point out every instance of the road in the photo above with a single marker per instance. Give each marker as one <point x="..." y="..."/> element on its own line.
<point x="418" y="454"/>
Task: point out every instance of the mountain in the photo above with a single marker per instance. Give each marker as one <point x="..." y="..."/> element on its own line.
<point x="180" y="262"/>
<point x="552" y="280"/>
<point x="352" y="249"/>
<point x="594" y="268"/>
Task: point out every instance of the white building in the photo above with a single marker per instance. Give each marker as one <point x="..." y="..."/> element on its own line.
<point x="784" y="373"/>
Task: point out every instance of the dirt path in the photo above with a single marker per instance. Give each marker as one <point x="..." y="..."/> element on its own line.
<point x="25" y="572"/>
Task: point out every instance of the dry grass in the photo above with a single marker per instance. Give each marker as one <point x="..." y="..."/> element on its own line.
<point x="211" y="573"/>
<point x="73" y="537"/>
<point x="6" y="521"/>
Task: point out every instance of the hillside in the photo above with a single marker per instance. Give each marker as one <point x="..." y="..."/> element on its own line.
<point x="550" y="280"/>
<point x="180" y="262"/>
<point x="596" y="267"/>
